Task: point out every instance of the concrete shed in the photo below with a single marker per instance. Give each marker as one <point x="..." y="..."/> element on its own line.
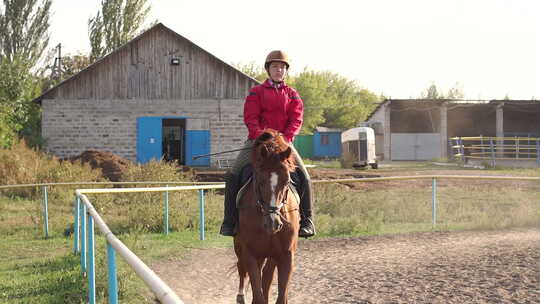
<point x="157" y="96"/>
<point x="327" y="142"/>
<point x="420" y="129"/>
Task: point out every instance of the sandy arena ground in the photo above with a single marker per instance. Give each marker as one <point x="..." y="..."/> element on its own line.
<point x="500" y="266"/>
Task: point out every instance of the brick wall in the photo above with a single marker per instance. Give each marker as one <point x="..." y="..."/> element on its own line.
<point x="70" y="127"/>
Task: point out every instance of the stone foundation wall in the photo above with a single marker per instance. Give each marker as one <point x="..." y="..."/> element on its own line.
<point x="70" y="127"/>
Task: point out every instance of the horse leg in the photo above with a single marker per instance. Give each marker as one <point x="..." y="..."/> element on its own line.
<point x="268" y="277"/>
<point x="242" y="274"/>
<point x="253" y="268"/>
<point x="284" y="265"/>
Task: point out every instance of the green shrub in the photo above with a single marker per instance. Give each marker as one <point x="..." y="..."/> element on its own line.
<point x="21" y="164"/>
<point x="144" y="210"/>
<point x="347" y="161"/>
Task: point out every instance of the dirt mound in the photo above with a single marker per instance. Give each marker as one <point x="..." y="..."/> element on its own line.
<point x="110" y="164"/>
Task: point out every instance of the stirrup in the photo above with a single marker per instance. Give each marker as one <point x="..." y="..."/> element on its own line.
<point x="307" y="228"/>
<point x="227" y="230"/>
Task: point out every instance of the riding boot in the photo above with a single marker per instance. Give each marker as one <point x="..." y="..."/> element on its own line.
<point x="307" y="227"/>
<point x="230" y="213"/>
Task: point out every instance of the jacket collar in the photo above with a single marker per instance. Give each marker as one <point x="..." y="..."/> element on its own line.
<point x="270" y="84"/>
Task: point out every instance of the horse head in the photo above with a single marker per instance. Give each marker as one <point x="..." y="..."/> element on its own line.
<point x="272" y="161"/>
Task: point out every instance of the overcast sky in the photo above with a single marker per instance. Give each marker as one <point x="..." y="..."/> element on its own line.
<point x="490" y="48"/>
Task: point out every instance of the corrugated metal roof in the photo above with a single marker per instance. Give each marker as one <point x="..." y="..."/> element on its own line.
<point x="453" y="101"/>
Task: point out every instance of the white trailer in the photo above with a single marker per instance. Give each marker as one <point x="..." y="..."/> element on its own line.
<point x="363" y="140"/>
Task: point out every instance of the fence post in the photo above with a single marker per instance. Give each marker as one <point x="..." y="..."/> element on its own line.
<point x="201" y="215"/>
<point x="166" y="212"/>
<point x="528" y="145"/>
<point x="482" y="145"/>
<point x="538" y="151"/>
<point x="492" y="152"/>
<point x="113" y="280"/>
<point x="461" y="149"/>
<point x="434" y="202"/>
<point x="516" y="143"/>
<point x="76" y="229"/>
<point x="91" y="262"/>
<point x="83" y="238"/>
<point x="45" y="211"/>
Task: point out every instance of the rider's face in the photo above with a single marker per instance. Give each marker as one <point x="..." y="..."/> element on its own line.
<point x="277" y="71"/>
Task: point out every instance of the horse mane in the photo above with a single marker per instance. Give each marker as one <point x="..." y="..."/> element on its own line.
<point x="271" y="150"/>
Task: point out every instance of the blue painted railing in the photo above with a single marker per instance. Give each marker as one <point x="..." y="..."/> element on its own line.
<point x="45" y="199"/>
<point x="85" y="216"/>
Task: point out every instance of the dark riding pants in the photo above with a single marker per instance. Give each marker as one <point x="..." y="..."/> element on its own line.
<point x="232" y="183"/>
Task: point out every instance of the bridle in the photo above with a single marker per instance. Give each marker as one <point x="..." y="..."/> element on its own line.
<point x="266" y="209"/>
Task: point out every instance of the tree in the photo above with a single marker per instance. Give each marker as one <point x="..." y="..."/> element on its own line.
<point x="332" y="100"/>
<point x="312" y="87"/>
<point x="71" y="65"/>
<point x="24" y="36"/>
<point x="24" y="26"/>
<point x="18" y="114"/>
<point x="354" y="109"/>
<point x="117" y="23"/>
<point x="456" y="92"/>
<point x="252" y="69"/>
<point x="432" y="92"/>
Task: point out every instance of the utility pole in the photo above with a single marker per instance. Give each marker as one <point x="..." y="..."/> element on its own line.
<point x="58" y="63"/>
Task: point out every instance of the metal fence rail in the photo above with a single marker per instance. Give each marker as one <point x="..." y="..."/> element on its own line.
<point x="45" y="200"/>
<point x="162" y="291"/>
<point x="85" y="216"/>
<point x="496" y="148"/>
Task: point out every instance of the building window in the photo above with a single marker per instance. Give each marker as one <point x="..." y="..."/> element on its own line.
<point x="325" y="139"/>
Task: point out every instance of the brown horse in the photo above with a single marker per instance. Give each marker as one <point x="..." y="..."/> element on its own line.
<point x="268" y="220"/>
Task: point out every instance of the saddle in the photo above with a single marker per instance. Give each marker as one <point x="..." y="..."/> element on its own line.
<point x="246" y="176"/>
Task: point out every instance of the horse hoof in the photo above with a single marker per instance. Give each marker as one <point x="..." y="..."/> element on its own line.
<point x="240" y="299"/>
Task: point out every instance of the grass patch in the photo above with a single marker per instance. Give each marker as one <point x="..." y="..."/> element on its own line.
<point x="38" y="270"/>
<point x="346" y="212"/>
<point x="324" y="163"/>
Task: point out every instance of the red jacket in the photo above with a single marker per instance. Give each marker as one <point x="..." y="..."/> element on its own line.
<point x="280" y="108"/>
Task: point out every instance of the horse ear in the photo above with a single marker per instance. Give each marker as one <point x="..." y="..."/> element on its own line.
<point x="264" y="137"/>
<point x="264" y="152"/>
<point x="285" y="154"/>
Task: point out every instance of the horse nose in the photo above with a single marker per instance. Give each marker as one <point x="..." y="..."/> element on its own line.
<point x="273" y="224"/>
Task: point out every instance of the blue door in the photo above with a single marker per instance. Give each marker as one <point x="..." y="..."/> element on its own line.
<point x="149" y="139"/>
<point x="197" y="143"/>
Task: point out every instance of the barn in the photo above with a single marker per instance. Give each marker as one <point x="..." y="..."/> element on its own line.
<point x="159" y="96"/>
<point x="420" y="129"/>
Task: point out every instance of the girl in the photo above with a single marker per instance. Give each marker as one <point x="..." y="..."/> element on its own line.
<point x="274" y="105"/>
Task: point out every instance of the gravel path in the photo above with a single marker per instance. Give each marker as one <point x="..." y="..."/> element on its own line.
<point x="500" y="266"/>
